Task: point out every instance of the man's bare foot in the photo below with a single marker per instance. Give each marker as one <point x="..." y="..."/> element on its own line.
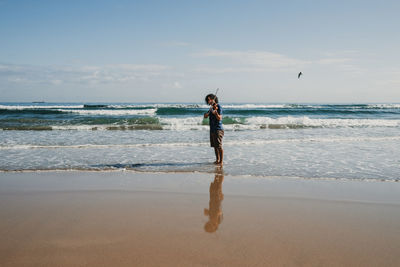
<point x="216" y="162"/>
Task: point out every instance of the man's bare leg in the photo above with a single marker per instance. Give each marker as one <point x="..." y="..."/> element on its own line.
<point x="220" y="155"/>
<point x="216" y="155"/>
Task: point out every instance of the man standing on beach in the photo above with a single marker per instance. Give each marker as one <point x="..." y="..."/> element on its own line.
<point x="216" y="130"/>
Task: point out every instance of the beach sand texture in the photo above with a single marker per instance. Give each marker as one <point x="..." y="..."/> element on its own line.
<point x="154" y="219"/>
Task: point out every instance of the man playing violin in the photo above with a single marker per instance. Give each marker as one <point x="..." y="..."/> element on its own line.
<point x="216" y="129"/>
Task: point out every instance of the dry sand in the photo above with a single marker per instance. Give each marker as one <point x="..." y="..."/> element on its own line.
<point x="135" y="219"/>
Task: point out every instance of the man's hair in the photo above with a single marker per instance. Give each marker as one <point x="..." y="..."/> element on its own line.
<point x="213" y="97"/>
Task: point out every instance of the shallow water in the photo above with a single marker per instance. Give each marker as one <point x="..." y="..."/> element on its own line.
<point x="306" y="141"/>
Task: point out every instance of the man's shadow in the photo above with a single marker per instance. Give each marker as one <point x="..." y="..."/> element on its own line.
<point x="214" y="211"/>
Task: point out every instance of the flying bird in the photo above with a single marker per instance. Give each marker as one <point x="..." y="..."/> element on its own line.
<point x="298" y="76"/>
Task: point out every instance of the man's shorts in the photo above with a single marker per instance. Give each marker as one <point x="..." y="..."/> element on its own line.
<point x="216" y="138"/>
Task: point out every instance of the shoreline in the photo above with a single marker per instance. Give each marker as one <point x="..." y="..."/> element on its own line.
<point x="196" y="172"/>
<point x="185" y="219"/>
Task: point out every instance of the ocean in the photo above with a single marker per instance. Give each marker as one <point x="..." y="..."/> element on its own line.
<point x="307" y="141"/>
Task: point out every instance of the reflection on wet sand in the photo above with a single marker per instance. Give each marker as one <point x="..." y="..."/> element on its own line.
<point x="214" y="211"/>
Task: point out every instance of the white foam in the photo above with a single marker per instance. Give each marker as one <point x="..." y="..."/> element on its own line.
<point x="253" y="123"/>
<point x="255" y="142"/>
<point x="253" y="106"/>
<point x="113" y="111"/>
<point x="306" y="121"/>
<point x="313" y="140"/>
<point x="80" y="127"/>
<point x="205" y="106"/>
<point x="103" y="146"/>
<point x="384" y="106"/>
<point x="179" y="124"/>
<point x="159" y="106"/>
<point x="98" y="127"/>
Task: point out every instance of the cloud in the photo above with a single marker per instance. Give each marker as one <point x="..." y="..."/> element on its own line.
<point x="249" y="61"/>
<point x="328" y="61"/>
<point x="176" y="43"/>
<point x="343" y="61"/>
<point x="221" y="70"/>
<point x="177" y="85"/>
<point x="55" y="75"/>
<point x="341" y="53"/>
<point x="341" y="64"/>
<point x="265" y="61"/>
<point x="388" y="78"/>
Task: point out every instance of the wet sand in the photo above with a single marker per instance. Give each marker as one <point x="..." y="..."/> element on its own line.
<point x="179" y="219"/>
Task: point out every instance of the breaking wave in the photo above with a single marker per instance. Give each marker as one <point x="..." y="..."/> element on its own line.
<point x="44" y="117"/>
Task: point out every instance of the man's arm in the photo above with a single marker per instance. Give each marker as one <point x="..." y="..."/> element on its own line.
<point x="217" y="115"/>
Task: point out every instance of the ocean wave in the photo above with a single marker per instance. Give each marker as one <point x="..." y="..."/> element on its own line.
<point x="113" y="112"/>
<point x="384" y="106"/>
<point x="109" y="127"/>
<point x="188" y="123"/>
<point x="254" y="106"/>
<point x="88" y="146"/>
<point x="255" y="142"/>
<point x="21" y="107"/>
<point x="203" y="106"/>
<point x="180" y="111"/>
<point x="353" y="110"/>
<point x="104" y="112"/>
<point x="198" y="123"/>
<point x="256" y="123"/>
<point x="31" y="111"/>
<point x="198" y="105"/>
<point x="293" y="122"/>
<point x="100" y="127"/>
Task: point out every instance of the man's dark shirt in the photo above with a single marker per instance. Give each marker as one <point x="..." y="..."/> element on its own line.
<point x="215" y="124"/>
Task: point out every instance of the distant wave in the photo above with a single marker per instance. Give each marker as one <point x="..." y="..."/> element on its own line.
<point x="225" y="105"/>
<point x="197" y="109"/>
<point x="21" y="107"/>
<point x="107" y="112"/>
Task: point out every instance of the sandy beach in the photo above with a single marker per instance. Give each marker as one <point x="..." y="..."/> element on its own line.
<point x="119" y="218"/>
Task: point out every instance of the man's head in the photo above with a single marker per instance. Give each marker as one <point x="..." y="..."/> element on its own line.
<point x="210" y="98"/>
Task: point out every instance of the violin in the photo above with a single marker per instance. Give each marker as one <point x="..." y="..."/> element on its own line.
<point x="213" y="106"/>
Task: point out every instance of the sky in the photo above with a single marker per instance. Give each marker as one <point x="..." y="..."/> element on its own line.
<point x="179" y="51"/>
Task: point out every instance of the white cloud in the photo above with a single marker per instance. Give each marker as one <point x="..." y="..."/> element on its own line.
<point x="177" y="85"/>
<point x="137" y="67"/>
<point x="56" y="82"/>
<point x="264" y="61"/>
<point x="341" y="53"/>
<point x="343" y="61"/>
<point x="221" y="70"/>
<point x="117" y="73"/>
<point x="341" y="64"/>
<point x="249" y="61"/>
<point x="389" y="78"/>
<point x="328" y="61"/>
<point x="176" y="43"/>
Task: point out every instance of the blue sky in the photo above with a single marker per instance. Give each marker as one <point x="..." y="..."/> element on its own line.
<point x="177" y="51"/>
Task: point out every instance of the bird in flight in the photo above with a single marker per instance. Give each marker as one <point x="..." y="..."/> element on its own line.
<point x="298" y="75"/>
